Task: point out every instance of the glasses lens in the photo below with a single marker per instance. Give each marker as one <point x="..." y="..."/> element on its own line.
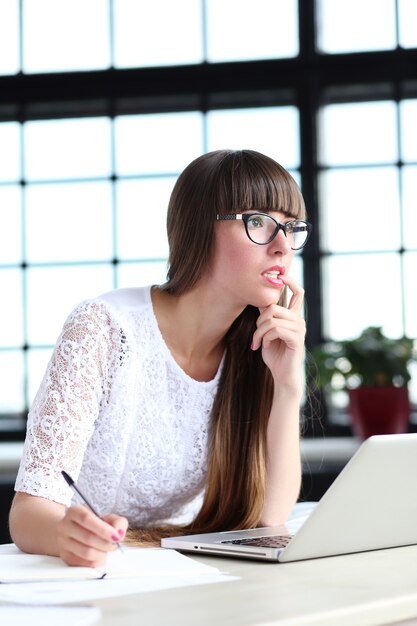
<point x="297" y="233"/>
<point x="261" y="228"/>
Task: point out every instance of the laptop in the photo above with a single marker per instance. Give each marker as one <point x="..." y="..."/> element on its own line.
<point x="371" y="505"/>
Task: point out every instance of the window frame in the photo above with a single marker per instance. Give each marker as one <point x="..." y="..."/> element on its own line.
<point x="307" y="82"/>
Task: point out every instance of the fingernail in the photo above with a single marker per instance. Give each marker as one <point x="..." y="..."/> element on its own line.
<point x="120" y="532"/>
<point x="115" y="537"/>
<point x="251" y="346"/>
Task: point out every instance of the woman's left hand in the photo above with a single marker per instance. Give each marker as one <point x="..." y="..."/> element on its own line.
<point x="281" y="334"/>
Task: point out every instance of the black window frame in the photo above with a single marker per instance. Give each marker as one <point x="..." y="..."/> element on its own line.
<point x="308" y="81"/>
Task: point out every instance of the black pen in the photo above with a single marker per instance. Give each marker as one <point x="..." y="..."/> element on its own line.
<point x="73" y="486"/>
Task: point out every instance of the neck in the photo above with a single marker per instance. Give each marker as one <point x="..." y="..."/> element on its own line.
<point x="193" y="326"/>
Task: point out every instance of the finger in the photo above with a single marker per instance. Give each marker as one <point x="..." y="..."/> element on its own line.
<point x="276" y="311"/>
<point x="297" y="297"/>
<point x="74" y="560"/>
<point x="80" y="553"/>
<point x="285" y="329"/>
<point x="292" y="338"/>
<point x="90" y="529"/>
<point x="119" y="523"/>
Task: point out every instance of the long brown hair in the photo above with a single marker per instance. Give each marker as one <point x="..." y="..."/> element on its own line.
<point x="227" y="181"/>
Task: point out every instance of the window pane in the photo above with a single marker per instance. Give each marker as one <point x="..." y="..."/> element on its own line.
<point x="10" y="225"/>
<point x="356" y="289"/>
<point x="141" y="274"/>
<point x="37" y="364"/>
<point x="69" y="222"/>
<point x="9" y="37"/>
<point x="71" y="148"/>
<point x="358" y="133"/>
<point x="64" y="36"/>
<point x="271" y="130"/>
<point x="408" y="110"/>
<point x="160" y="143"/>
<point x="141" y="218"/>
<point x="410" y="206"/>
<point x="12" y="381"/>
<point x="10" y="151"/>
<point x="52" y="292"/>
<point x="355" y="25"/>
<point x="360" y="210"/>
<point x="240" y="29"/>
<point x="407" y="23"/>
<point x="11" y="311"/>
<point x="410" y="273"/>
<point x="157" y="33"/>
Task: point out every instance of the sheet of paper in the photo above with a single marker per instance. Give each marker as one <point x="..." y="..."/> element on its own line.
<point x="49" y="616"/>
<point x="131" y="563"/>
<point x="147" y="569"/>
<point x="76" y="591"/>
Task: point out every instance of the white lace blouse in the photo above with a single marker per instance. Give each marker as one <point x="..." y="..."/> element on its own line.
<point x="116" y="411"/>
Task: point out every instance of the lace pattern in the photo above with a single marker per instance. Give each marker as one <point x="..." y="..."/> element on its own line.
<point x="119" y="415"/>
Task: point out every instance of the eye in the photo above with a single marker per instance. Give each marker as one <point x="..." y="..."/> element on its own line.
<point x="255" y="221"/>
<point x="294" y="227"/>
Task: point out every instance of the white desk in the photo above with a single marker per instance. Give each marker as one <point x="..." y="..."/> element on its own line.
<point x="365" y="589"/>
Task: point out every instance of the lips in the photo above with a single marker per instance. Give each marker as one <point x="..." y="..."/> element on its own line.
<point x="273" y="275"/>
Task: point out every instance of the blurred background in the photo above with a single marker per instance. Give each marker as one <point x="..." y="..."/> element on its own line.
<point x="104" y="102"/>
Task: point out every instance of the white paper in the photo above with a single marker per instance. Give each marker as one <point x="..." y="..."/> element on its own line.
<point x="131" y="563"/>
<point x="49" y="616"/>
<point x="145" y="569"/>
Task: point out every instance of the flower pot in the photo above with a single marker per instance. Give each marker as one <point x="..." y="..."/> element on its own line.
<point x="379" y="410"/>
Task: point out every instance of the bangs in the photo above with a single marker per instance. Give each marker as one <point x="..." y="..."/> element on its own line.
<point x="253" y="181"/>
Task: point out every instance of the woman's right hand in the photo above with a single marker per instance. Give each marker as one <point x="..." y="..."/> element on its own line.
<point x="85" y="539"/>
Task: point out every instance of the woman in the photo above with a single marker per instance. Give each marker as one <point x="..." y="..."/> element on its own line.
<point x="154" y="396"/>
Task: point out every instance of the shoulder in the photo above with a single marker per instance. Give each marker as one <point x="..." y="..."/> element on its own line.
<point x="126" y="299"/>
<point x="111" y="307"/>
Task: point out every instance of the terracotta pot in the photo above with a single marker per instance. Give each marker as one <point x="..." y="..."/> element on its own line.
<point x="379" y="410"/>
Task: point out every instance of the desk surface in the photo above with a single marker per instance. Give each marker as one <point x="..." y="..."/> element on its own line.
<point x="365" y="589"/>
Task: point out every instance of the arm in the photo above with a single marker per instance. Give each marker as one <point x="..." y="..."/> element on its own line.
<point x="40" y="526"/>
<point x="281" y="333"/>
<point x="61" y="422"/>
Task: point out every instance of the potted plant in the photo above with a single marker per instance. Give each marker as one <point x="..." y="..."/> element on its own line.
<point x="374" y="370"/>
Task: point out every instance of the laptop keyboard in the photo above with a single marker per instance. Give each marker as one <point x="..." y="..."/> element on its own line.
<point x="277" y="541"/>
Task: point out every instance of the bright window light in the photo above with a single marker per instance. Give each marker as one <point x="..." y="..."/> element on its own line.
<point x="9" y="37"/>
<point x="160" y="32"/>
<point x="68" y="148"/>
<point x="360" y="209"/>
<point x="69" y="222"/>
<point x="356" y="25"/>
<point x="10" y="224"/>
<point x="273" y="131"/>
<point x="69" y="35"/>
<point x="241" y="29"/>
<point x="407" y="23"/>
<point x="10" y="151"/>
<point x="358" y="133"/>
<point x="355" y="293"/>
<point x="157" y="143"/>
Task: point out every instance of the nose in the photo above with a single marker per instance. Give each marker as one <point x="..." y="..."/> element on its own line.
<point x="280" y="244"/>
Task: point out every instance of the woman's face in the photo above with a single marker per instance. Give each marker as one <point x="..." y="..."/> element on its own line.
<point x="245" y="272"/>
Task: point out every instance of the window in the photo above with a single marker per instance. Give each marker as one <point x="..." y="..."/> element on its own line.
<point x="93" y="136"/>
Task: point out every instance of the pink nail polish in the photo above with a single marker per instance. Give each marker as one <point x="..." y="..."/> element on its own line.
<point x="120" y="532"/>
<point x="115" y="537"/>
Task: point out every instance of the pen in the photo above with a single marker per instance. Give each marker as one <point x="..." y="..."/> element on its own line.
<point x="73" y="486"/>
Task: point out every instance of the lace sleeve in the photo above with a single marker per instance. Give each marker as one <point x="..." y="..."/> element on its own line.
<point x="61" y="421"/>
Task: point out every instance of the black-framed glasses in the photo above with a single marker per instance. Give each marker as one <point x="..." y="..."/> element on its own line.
<point x="262" y="228"/>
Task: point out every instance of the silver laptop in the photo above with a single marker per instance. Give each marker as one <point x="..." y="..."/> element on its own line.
<point x="371" y="505"/>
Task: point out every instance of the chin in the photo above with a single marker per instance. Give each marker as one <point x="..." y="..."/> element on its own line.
<point x="269" y="298"/>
